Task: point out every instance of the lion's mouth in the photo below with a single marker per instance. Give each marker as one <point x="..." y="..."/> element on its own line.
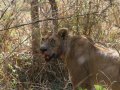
<point x="48" y="57"/>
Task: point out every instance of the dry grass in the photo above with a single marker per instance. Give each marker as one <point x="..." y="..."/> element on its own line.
<point x="98" y="19"/>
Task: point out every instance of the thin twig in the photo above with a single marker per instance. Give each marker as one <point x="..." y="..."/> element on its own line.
<point x="48" y="19"/>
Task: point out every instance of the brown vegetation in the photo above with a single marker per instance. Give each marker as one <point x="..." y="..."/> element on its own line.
<point x="23" y="23"/>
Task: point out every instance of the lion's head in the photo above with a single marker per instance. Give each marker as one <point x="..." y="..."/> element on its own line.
<point x="53" y="45"/>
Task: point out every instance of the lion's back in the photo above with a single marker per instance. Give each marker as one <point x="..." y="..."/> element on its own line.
<point x="107" y="53"/>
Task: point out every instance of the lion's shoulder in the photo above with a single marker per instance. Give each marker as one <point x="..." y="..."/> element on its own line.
<point x="81" y="39"/>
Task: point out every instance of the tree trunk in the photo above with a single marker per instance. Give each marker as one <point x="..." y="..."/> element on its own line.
<point x="35" y="30"/>
<point x="54" y="14"/>
<point x="36" y="64"/>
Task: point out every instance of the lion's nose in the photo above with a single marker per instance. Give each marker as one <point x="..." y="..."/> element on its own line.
<point x="43" y="48"/>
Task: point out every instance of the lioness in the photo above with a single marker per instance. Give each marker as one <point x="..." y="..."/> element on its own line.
<point x="88" y="63"/>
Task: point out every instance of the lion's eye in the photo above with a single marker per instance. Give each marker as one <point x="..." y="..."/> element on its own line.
<point x="52" y="42"/>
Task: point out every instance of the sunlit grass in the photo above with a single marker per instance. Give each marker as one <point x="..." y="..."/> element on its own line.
<point x="97" y="87"/>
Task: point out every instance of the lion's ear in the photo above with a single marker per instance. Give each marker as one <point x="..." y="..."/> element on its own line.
<point x="63" y="33"/>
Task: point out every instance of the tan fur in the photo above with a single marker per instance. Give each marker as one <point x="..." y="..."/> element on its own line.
<point x="89" y="64"/>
